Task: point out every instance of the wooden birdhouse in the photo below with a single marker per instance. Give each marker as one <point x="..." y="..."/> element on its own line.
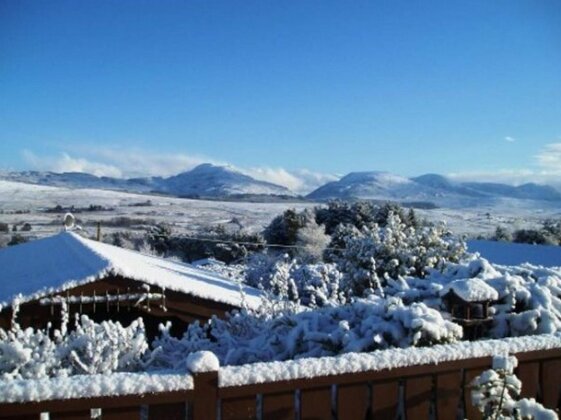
<point x="468" y="301"/>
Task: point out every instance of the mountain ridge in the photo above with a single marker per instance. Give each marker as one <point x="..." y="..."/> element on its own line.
<point x="216" y="181"/>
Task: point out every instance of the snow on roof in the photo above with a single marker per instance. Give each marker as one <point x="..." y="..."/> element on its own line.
<point x="66" y="260"/>
<point x="471" y="290"/>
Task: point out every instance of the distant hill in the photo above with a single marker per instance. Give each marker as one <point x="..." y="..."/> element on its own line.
<point x="224" y="182"/>
<point x="209" y="180"/>
<point x="206" y="180"/>
<point x="433" y="188"/>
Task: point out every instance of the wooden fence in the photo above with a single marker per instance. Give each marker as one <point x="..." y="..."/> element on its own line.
<point x="414" y="392"/>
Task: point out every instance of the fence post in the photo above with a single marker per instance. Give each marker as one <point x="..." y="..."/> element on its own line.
<point x="206" y="396"/>
<point x="204" y="367"/>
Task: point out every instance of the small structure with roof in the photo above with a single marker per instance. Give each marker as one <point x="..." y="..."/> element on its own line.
<point x="108" y="282"/>
<point x="468" y="302"/>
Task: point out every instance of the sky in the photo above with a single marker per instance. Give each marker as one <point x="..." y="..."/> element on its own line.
<point x="288" y="91"/>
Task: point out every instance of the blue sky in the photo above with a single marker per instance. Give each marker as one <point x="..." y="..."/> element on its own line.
<point x="130" y="87"/>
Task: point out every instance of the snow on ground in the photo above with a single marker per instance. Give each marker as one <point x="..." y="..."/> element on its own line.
<point x="62" y="261"/>
<point x="506" y="253"/>
<point x="20" y="203"/>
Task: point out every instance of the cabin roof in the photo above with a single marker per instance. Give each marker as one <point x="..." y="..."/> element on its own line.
<point x="66" y="260"/>
<point x="471" y="290"/>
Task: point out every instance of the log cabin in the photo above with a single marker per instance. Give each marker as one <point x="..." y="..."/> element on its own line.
<point x="105" y="282"/>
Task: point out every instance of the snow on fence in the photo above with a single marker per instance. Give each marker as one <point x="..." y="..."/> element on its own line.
<point x="414" y="383"/>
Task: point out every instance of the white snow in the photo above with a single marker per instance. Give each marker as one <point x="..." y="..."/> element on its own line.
<point x="90" y="386"/>
<point x="506" y="253"/>
<point x="202" y="361"/>
<point x="63" y="261"/>
<point x="471" y="290"/>
<point x="382" y="359"/>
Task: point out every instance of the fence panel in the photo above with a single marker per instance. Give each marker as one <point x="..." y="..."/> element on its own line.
<point x="385" y="400"/>
<point x="448" y="394"/>
<point x="315" y="404"/>
<point x="551" y="383"/>
<point x="121" y="413"/>
<point x="239" y="408"/>
<point x="418" y="395"/>
<point x="353" y="401"/>
<point x="174" y="411"/>
<point x="414" y="392"/>
<point x="279" y="406"/>
<point x="472" y="413"/>
<point x="529" y="374"/>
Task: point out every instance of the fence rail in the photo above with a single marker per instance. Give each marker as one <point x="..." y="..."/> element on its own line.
<point x="415" y="392"/>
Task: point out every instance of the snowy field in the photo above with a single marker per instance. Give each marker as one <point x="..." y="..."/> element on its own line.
<point x="26" y="203"/>
<point x="514" y="254"/>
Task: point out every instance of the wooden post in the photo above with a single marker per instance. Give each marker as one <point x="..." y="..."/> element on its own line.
<point x="206" y="395"/>
<point x="98" y="234"/>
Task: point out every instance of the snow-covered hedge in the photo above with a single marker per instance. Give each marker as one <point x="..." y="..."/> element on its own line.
<point x="361" y="326"/>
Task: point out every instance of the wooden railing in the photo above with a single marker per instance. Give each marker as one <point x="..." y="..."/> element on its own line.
<point x="414" y="392"/>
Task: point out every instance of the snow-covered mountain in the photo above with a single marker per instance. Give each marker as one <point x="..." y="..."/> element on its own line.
<point x="371" y="185"/>
<point x="432" y="188"/>
<point x="82" y="180"/>
<point x="206" y="180"/>
<point x="214" y="181"/>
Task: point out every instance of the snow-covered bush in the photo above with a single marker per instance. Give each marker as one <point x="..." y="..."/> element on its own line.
<point x="374" y="255"/>
<point x="529" y="297"/>
<point x="312" y="241"/>
<point x="287" y="279"/>
<point x="496" y="393"/>
<point x="361" y="326"/>
<point x="90" y="348"/>
<point x="283" y="229"/>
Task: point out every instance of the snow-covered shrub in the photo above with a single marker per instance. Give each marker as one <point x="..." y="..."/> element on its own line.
<point x="283" y="229"/>
<point x="374" y="255"/>
<point x="360" y="326"/>
<point x="284" y="278"/>
<point x="90" y="348"/>
<point x="529" y="297"/>
<point x="103" y="347"/>
<point x="312" y="241"/>
<point x="496" y="393"/>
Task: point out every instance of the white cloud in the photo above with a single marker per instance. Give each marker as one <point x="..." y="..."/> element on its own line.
<point x="66" y="163"/>
<point x="510" y="139"/>
<point x="506" y="176"/>
<point x="544" y="169"/>
<point x="549" y="158"/>
<point x="301" y="181"/>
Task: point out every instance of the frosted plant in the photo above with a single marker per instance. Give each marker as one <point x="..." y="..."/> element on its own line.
<point x="312" y="242"/>
<point x="496" y="393"/>
<point x="376" y="254"/>
<point x="90" y="348"/>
